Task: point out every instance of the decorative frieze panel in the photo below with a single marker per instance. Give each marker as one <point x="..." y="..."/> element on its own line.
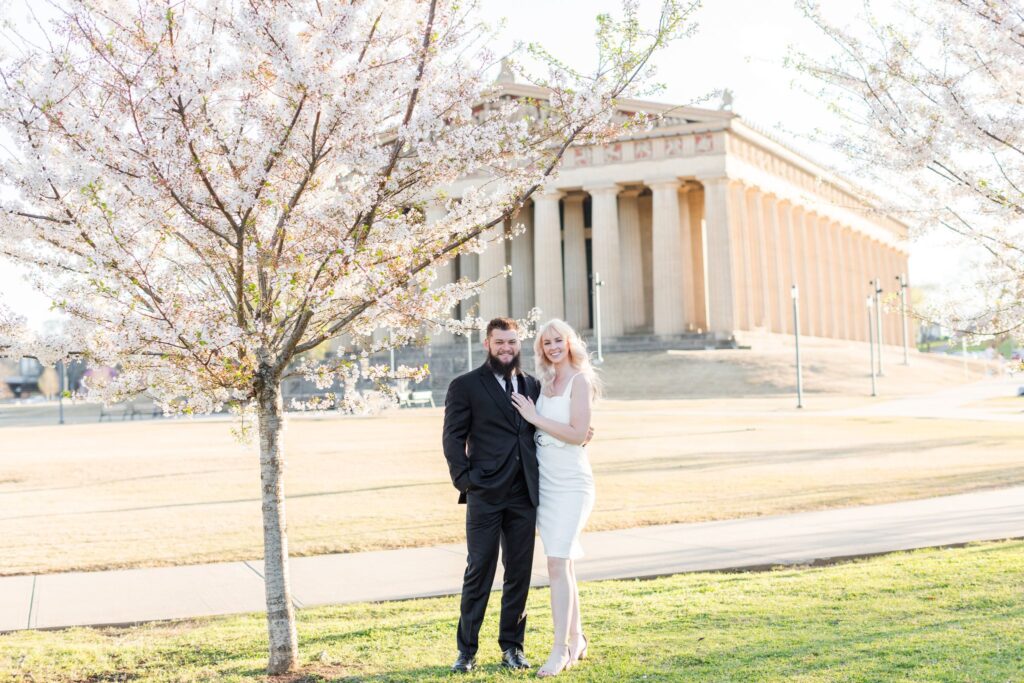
<point x="626" y="151"/>
<point x="580" y="156"/>
<point x="704" y="143"/>
<point x="643" y="150"/>
<point x="613" y="153"/>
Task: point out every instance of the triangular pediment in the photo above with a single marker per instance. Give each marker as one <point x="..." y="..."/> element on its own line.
<point x="674" y="115"/>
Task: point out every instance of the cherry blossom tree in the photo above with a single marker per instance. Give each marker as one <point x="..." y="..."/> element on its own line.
<point x="13" y="332"/>
<point x="930" y="95"/>
<point x="209" y="189"/>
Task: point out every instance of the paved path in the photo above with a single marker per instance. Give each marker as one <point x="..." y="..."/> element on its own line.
<point x="955" y="403"/>
<point x="136" y="595"/>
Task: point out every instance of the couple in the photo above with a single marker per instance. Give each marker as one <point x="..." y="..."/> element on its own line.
<point x="514" y="447"/>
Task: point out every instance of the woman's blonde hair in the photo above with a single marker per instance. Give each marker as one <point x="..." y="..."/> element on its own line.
<point x="578" y="356"/>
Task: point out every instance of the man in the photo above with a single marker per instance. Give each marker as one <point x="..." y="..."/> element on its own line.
<point x="492" y="460"/>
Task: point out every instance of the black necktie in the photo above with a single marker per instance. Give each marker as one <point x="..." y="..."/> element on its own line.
<point x="508" y="392"/>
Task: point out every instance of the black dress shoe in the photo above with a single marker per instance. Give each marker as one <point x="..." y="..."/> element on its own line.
<point x="464" y="664"/>
<point x="513" y="658"/>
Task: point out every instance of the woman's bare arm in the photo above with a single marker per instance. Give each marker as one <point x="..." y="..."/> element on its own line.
<point x="577" y="430"/>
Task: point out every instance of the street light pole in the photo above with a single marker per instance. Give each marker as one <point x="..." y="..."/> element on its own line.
<point x="963" y="354"/>
<point x="871" y="345"/>
<point x="597" y="316"/>
<point x="61" y="383"/>
<point x="902" y="279"/>
<point x="877" y="284"/>
<point x="391" y="343"/>
<point x="795" y="293"/>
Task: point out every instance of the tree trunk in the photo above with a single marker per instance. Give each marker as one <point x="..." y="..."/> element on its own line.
<point x="280" y="613"/>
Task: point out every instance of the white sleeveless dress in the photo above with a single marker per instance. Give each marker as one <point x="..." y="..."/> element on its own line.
<point x="566" y="483"/>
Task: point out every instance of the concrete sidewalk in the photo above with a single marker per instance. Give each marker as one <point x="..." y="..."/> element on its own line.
<point x="957" y="403"/>
<point x="136" y="595"/>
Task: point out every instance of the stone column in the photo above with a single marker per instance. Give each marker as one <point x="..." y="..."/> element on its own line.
<point x="604" y="242"/>
<point x="445" y="271"/>
<point x="494" y="296"/>
<point x="547" y="255"/>
<point x="853" y="305"/>
<point x="741" y="254"/>
<point x="697" y="230"/>
<point x="522" y="262"/>
<point x="781" y="266"/>
<point x="469" y="269"/>
<point x="631" y="262"/>
<point x="720" y="247"/>
<point x="841" y="315"/>
<point x="878" y="274"/>
<point x="819" y="277"/>
<point x="851" y="282"/>
<point x="840" y="311"/>
<point x="686" y="259"/>
<point x="810" y="293"/>
<point x="764" y="246"/>
<point x="666" y="248"/>
<point x="798" y="261"/>
<point x="645" y="203"/>
<point x="865" y="274"/>
<point x="575" y="261"/>
<point x="858" y="282"/>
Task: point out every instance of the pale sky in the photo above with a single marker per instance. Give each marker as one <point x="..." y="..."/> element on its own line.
<point x="741" y="45"/>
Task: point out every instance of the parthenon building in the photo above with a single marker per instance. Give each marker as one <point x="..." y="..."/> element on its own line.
<point x="699" y="225"/>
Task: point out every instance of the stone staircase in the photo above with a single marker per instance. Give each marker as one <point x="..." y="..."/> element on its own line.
<point x="451" y="360"/>
<point x="650" y="342"/>
<point x="447" y="361"/>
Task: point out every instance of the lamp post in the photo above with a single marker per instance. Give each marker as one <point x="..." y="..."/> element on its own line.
<point x="391" y="343"/>
<point x="963" y="355"/>
<point x="61" y="384"/>
<point x="598" y="283"/>
<point x="902" y="279"/>
<point x="795" y="293"/>
<point x="469" y="316"/>
<point x="871" y="346"/>
<point x="877" y="284"/>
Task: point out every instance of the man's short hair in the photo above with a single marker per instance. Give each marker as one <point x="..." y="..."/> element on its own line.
<point x="501" y="324"/>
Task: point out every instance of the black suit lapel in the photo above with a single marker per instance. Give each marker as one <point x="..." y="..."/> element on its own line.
<point x="490" y="383"/>
<point x="531" y="387"/>
<point x="519" y="387"/>
<point x="528" y="387"/>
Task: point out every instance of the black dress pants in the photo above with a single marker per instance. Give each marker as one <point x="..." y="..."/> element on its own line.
<point x="510" y="525"/>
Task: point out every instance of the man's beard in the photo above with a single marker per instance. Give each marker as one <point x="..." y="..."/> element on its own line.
<point x="503" y="369"/>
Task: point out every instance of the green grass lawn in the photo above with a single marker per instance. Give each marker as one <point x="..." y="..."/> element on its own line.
<point x="932" y="615"/>
<point x="1005" y="347"/>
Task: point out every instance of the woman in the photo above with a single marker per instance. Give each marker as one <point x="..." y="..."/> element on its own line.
<point x="562" y="419"/>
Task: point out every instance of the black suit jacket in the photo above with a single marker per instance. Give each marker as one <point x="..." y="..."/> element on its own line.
<point x="482" y="442"/>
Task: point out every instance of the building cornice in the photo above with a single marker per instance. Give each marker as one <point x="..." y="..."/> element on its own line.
<point x="700" y="120"/>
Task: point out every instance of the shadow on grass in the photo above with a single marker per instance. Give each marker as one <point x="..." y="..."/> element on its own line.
<point x="726" y="460"/>
<point x="832" y="646"/>
<point x="342" y="673"/>
<point x="105" y="482"/>
<point x="235" y="501"/>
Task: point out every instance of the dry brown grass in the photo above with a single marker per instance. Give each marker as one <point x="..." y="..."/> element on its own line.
<point x="156" y="493"/>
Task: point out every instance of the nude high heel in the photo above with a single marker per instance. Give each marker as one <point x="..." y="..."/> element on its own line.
<point x="582" y="653"/>
<point x="562" y="664"/>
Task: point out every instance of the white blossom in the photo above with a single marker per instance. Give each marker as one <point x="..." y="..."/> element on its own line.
<point x="212" y="190"/>
<point x="930" y="97"/>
